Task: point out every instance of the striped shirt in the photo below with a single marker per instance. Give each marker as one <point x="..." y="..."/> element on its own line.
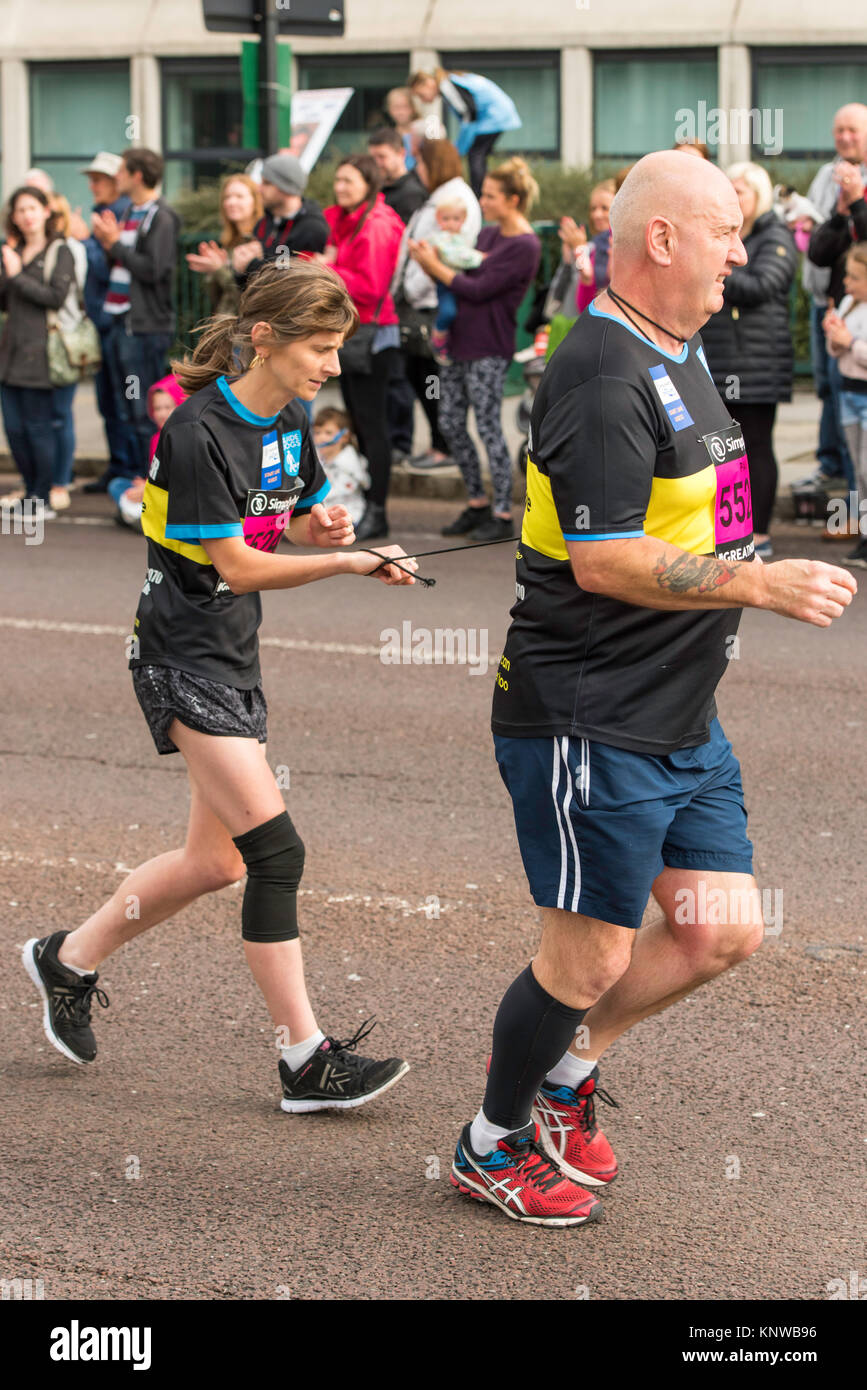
<point x="117" y="295"/>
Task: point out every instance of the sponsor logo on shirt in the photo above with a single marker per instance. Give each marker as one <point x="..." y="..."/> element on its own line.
<point x="267" y="514"/>
<point x="292" y="452"/>
<point x="668" y="394"/>
<point x="154" y="468"/>
<point x="271" y="469"/>
<point x="271" y="466"/>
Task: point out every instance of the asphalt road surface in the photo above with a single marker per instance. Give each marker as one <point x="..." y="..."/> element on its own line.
<point x="167" y="1170"/>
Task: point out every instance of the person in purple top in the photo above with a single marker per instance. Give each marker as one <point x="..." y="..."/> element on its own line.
<point x="483" y="341"/>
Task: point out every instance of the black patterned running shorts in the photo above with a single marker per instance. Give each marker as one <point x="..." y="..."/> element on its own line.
<point x="165" y="693"/>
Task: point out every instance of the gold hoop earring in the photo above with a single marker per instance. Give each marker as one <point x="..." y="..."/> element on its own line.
<point x="257" y="362"/>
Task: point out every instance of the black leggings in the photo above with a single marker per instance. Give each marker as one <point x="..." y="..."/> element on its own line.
<point x="423" y="374"/>
<point x="757" y="422"/>
<point x="365" y="399"/>
<point x="477" y="158"/>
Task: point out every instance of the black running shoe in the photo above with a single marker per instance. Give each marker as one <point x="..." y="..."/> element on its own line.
<point x="494" y="529"/>
<point x="469" y="519"/>
<point x="334" y="1079"/>
<point x="857" y="558"/>
<point x="67" y="997"/>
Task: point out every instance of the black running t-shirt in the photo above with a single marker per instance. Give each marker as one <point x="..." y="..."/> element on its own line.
<point x="626" y="440"/>
<point x="219" y="470"/>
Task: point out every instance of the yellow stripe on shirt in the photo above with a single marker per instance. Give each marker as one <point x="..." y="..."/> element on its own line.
<point x="681" y="511"/>
<point x="541" y="528"/>
<point x="153" y="522"/>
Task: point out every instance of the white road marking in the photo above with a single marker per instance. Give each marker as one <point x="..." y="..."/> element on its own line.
<point x="285" y="644"/>
<point x="364" y="900"/>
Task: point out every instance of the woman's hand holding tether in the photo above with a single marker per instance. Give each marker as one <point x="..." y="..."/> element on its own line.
<point x="370" y="562"/>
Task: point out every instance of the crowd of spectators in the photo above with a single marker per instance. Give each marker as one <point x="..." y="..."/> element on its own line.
<point x="438" y="295"/>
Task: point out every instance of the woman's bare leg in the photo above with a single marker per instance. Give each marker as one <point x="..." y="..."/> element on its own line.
<point x="158" y="888"/>
<point x="238" y="787"/>
<point x="232" y="791"/>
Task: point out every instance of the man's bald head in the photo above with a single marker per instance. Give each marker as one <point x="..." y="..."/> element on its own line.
<point x="850" y="131"/>
<point x="675" y="225"/>
<point x="663" y="185"/>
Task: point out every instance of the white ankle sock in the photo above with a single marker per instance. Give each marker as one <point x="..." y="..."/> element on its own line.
<point x="484" y="1136"/>
<point x="76" y="969"/>
<point x="296" y="1055"/>
<point x="571" y="1071"/>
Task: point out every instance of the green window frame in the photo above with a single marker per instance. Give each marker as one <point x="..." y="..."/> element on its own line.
<point x="538" y="101"/>
<point x="68" y="127"/>
<point x="202" y="121"/>
<point x="638" y="95"/>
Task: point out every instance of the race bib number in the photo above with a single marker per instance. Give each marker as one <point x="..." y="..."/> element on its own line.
<point x="267" y="515"/>
<point x="733" y="508"/>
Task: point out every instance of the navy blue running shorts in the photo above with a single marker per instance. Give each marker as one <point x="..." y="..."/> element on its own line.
<point x="596" y="824"/>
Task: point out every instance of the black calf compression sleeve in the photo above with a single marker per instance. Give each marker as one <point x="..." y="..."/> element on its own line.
<point x="274" y="856"/>
<point x="532" y="1030"/>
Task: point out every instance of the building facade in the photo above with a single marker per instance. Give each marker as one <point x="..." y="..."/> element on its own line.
<point x="594" y="80"/>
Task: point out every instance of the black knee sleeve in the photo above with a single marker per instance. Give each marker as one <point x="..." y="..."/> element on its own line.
<point x="532" y="1031"/>
<point x="274" y="856"/>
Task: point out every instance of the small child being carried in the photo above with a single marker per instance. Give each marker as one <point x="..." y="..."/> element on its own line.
<point x="456" y="250"/>
<point x="344" y="467"/>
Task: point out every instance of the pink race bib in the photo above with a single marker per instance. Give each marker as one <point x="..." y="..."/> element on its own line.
<point x="267" y="515"/>
<point x="733" y="508"/>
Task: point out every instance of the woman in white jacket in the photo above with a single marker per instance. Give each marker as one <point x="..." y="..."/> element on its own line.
<point x="68" y="315"/>
<point x="440" y="170"/>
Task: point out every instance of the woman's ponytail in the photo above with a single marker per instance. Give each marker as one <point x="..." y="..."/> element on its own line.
<point x="213" y="355"/>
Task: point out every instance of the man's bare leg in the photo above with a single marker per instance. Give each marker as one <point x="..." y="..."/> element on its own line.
<point x="671" y="958"/>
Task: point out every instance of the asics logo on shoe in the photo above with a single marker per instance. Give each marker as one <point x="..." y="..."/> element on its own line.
<point x="508" y="1194"/>
<point x="555" y="1120"/>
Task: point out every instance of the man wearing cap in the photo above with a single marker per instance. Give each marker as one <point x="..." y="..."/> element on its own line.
<point x="142" y="251"/>
<point x="292" y="223"/>
<point x="102" y="178"/>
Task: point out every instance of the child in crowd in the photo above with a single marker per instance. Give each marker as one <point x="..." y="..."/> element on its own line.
<point x="344" y="467"/>
<point x="128" y="493"/>
<point x="455" y="249"/>
<point x="846" y="339"/>
<point x="799" y="214"/>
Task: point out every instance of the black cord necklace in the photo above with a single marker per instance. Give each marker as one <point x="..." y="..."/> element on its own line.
<point x="624" y="305"/>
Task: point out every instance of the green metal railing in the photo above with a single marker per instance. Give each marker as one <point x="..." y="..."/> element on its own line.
<point x="192" y="298"/>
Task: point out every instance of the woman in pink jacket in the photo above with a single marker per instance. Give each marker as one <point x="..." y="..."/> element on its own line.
<point x="362" y="248"/>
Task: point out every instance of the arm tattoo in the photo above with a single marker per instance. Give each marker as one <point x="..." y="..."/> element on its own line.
<point x="699" y="572"/>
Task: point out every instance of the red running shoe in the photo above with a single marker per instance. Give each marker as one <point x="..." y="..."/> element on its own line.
<point x="517" y="1178"/>
<point x="569" y="1132"/>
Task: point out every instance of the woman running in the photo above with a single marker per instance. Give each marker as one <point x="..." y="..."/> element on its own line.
<point x="234" y="468"/>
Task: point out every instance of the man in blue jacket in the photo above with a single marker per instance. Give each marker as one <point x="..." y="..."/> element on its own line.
<point x="485" y="111"/>
<point x="102" y="178"/>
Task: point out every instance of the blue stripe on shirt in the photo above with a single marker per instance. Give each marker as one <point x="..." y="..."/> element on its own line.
<point x="602" y="535"/>
<point x="207" y="533"/>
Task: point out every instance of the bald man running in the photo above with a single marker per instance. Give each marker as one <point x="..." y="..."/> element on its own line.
<point x="635" y="560"/>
